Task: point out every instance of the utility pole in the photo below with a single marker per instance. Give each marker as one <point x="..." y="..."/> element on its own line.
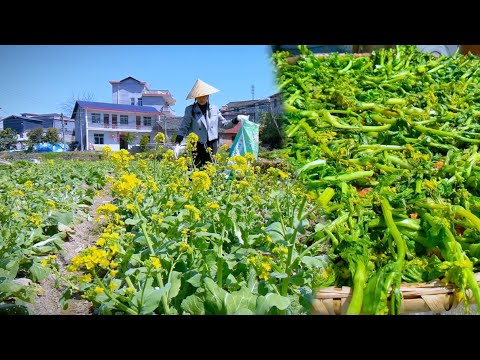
<point x="63" y="128"/>
<point x="165" y="126"/>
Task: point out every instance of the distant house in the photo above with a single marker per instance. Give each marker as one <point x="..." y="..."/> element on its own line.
<point x="22" y="125"/>
<point x="226" y="136"/>
<point x="99" y="124"/>
<point x="255" y="109"/>
<point x="64" y="125"/>
<point x="131" y="91"/>
<point x="169" y="126"/>
<point x="135" y="108"/>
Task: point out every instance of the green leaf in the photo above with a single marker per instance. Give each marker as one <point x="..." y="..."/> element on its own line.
<point x="244" y="311"/>
<point x="275" y="231"/>
<point x="175" y="282"/>
<point x="151" y="299"/>
<point x="38" y="272"/>
<point x="131" y="221"/>
<point x="265" y="303"/>
<point x="214" y="297"/>
<point x="10" y="271"/>
<point x="195" y="280"/>
<point x="193" y="305"/>
<point x="241" y="299"/>
<point x="65" y="218"/>
<point x="278" y="275"/>
<point x="204" y="234"/>
<point x="315" y="262"/>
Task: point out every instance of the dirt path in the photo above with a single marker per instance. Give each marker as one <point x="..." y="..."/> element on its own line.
<point x="85" y="234"/>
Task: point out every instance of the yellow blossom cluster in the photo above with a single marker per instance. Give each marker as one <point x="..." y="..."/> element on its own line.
<point x="200" y="181"/>
<point x="159" y="138"/>
<point x="125" y="185"/>
<point x="121" y="158"/>
<point x="193" y="211"/>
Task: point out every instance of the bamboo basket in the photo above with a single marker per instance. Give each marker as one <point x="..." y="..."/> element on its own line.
<point x="432" y="297"/>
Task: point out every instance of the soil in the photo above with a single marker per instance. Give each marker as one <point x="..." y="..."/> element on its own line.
<point x="85" y="234"/>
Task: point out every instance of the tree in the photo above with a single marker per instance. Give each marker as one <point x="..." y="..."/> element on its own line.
<point x="144" y="140"/>
<point x="51" y="136"/>
<point x="67" y="106"/>
<point x="8" y="138"/>
<point x="130" y="137"/>
<point x="271" y="132"/>
<point x="35" y="136"/>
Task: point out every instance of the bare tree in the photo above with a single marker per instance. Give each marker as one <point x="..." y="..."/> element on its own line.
<point x="67" y="106"/>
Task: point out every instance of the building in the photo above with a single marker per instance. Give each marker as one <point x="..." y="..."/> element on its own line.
<point x="135" y="109"/>
<point x="99" y="124"/>
<point x="64" y="125"/>
<point x="22" y="125"/>
<point x="131" y="91"/>
<point x="255" y="109"/>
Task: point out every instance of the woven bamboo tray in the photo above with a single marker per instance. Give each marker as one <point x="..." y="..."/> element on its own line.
<point x="419" y="297"/>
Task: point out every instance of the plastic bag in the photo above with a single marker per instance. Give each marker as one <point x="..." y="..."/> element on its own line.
<point x="246" y="140"/>
<point x="178" y="150"/>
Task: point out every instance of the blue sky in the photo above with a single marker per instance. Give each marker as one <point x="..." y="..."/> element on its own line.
<point x="41" y="78"/>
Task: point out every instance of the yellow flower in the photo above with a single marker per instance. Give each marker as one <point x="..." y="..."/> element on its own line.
<point x="266" y="266"/>
<point x="200" y="181"/>
<point x="213" y="206"/>
<point x="86" y="278"/>
<point x="159" y="138"/>
<point x="156" y="262"/>
<point x="185" y="247"/>
<point x="112" y="286"/>
<point x="106" y="209"/>
<point x="99" y="290"/>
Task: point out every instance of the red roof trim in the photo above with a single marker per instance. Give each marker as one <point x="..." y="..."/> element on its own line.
<point x="233" y="130"/>
<point x="123" y="111"/>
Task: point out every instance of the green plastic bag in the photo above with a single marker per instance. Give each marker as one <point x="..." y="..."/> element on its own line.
<point x="246" y="140"/>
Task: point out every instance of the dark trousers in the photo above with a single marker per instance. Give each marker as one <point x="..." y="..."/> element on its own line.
<point x="201" y="156"/>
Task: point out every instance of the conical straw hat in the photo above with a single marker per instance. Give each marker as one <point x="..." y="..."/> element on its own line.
<point x="201" y="88"/>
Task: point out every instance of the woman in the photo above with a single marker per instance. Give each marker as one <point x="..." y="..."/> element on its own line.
<point x="203" y="119"/>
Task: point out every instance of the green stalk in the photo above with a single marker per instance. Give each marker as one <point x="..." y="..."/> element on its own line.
<point x="344" y="177"/>
<point x="331" y="227"/>
<point x="401" y="245"/>
<point x="359" y="279"/>
<point x="159" y="277"/>
<point x="447" y="134"/>
<point x="467" y="215"/>
<point x="107" y="292"/>
<point x="220" y="264"/>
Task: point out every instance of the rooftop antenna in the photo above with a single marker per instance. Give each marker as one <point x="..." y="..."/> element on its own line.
<point x="253" y="92"/>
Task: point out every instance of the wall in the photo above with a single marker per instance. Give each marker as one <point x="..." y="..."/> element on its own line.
<point x="121" y="93"/>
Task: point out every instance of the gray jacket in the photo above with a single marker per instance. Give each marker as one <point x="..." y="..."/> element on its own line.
<point x="201" y="126"/>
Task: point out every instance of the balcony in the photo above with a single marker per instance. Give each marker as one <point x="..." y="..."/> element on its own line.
<point x="120" y="127"/>
<point x="157" y="92"/>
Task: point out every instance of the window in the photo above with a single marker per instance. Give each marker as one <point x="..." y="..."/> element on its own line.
<point x="140" y="102"/>
<point x="95" y="118"/>
<point x="132" y="101"/>
<point x="123" y="119"/>
<point x="106" y="120"/>
<point x="98" y="139"/>
<point x="147" y="121"/>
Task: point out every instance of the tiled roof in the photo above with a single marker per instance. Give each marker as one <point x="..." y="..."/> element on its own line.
<point x="114" y="107"/>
